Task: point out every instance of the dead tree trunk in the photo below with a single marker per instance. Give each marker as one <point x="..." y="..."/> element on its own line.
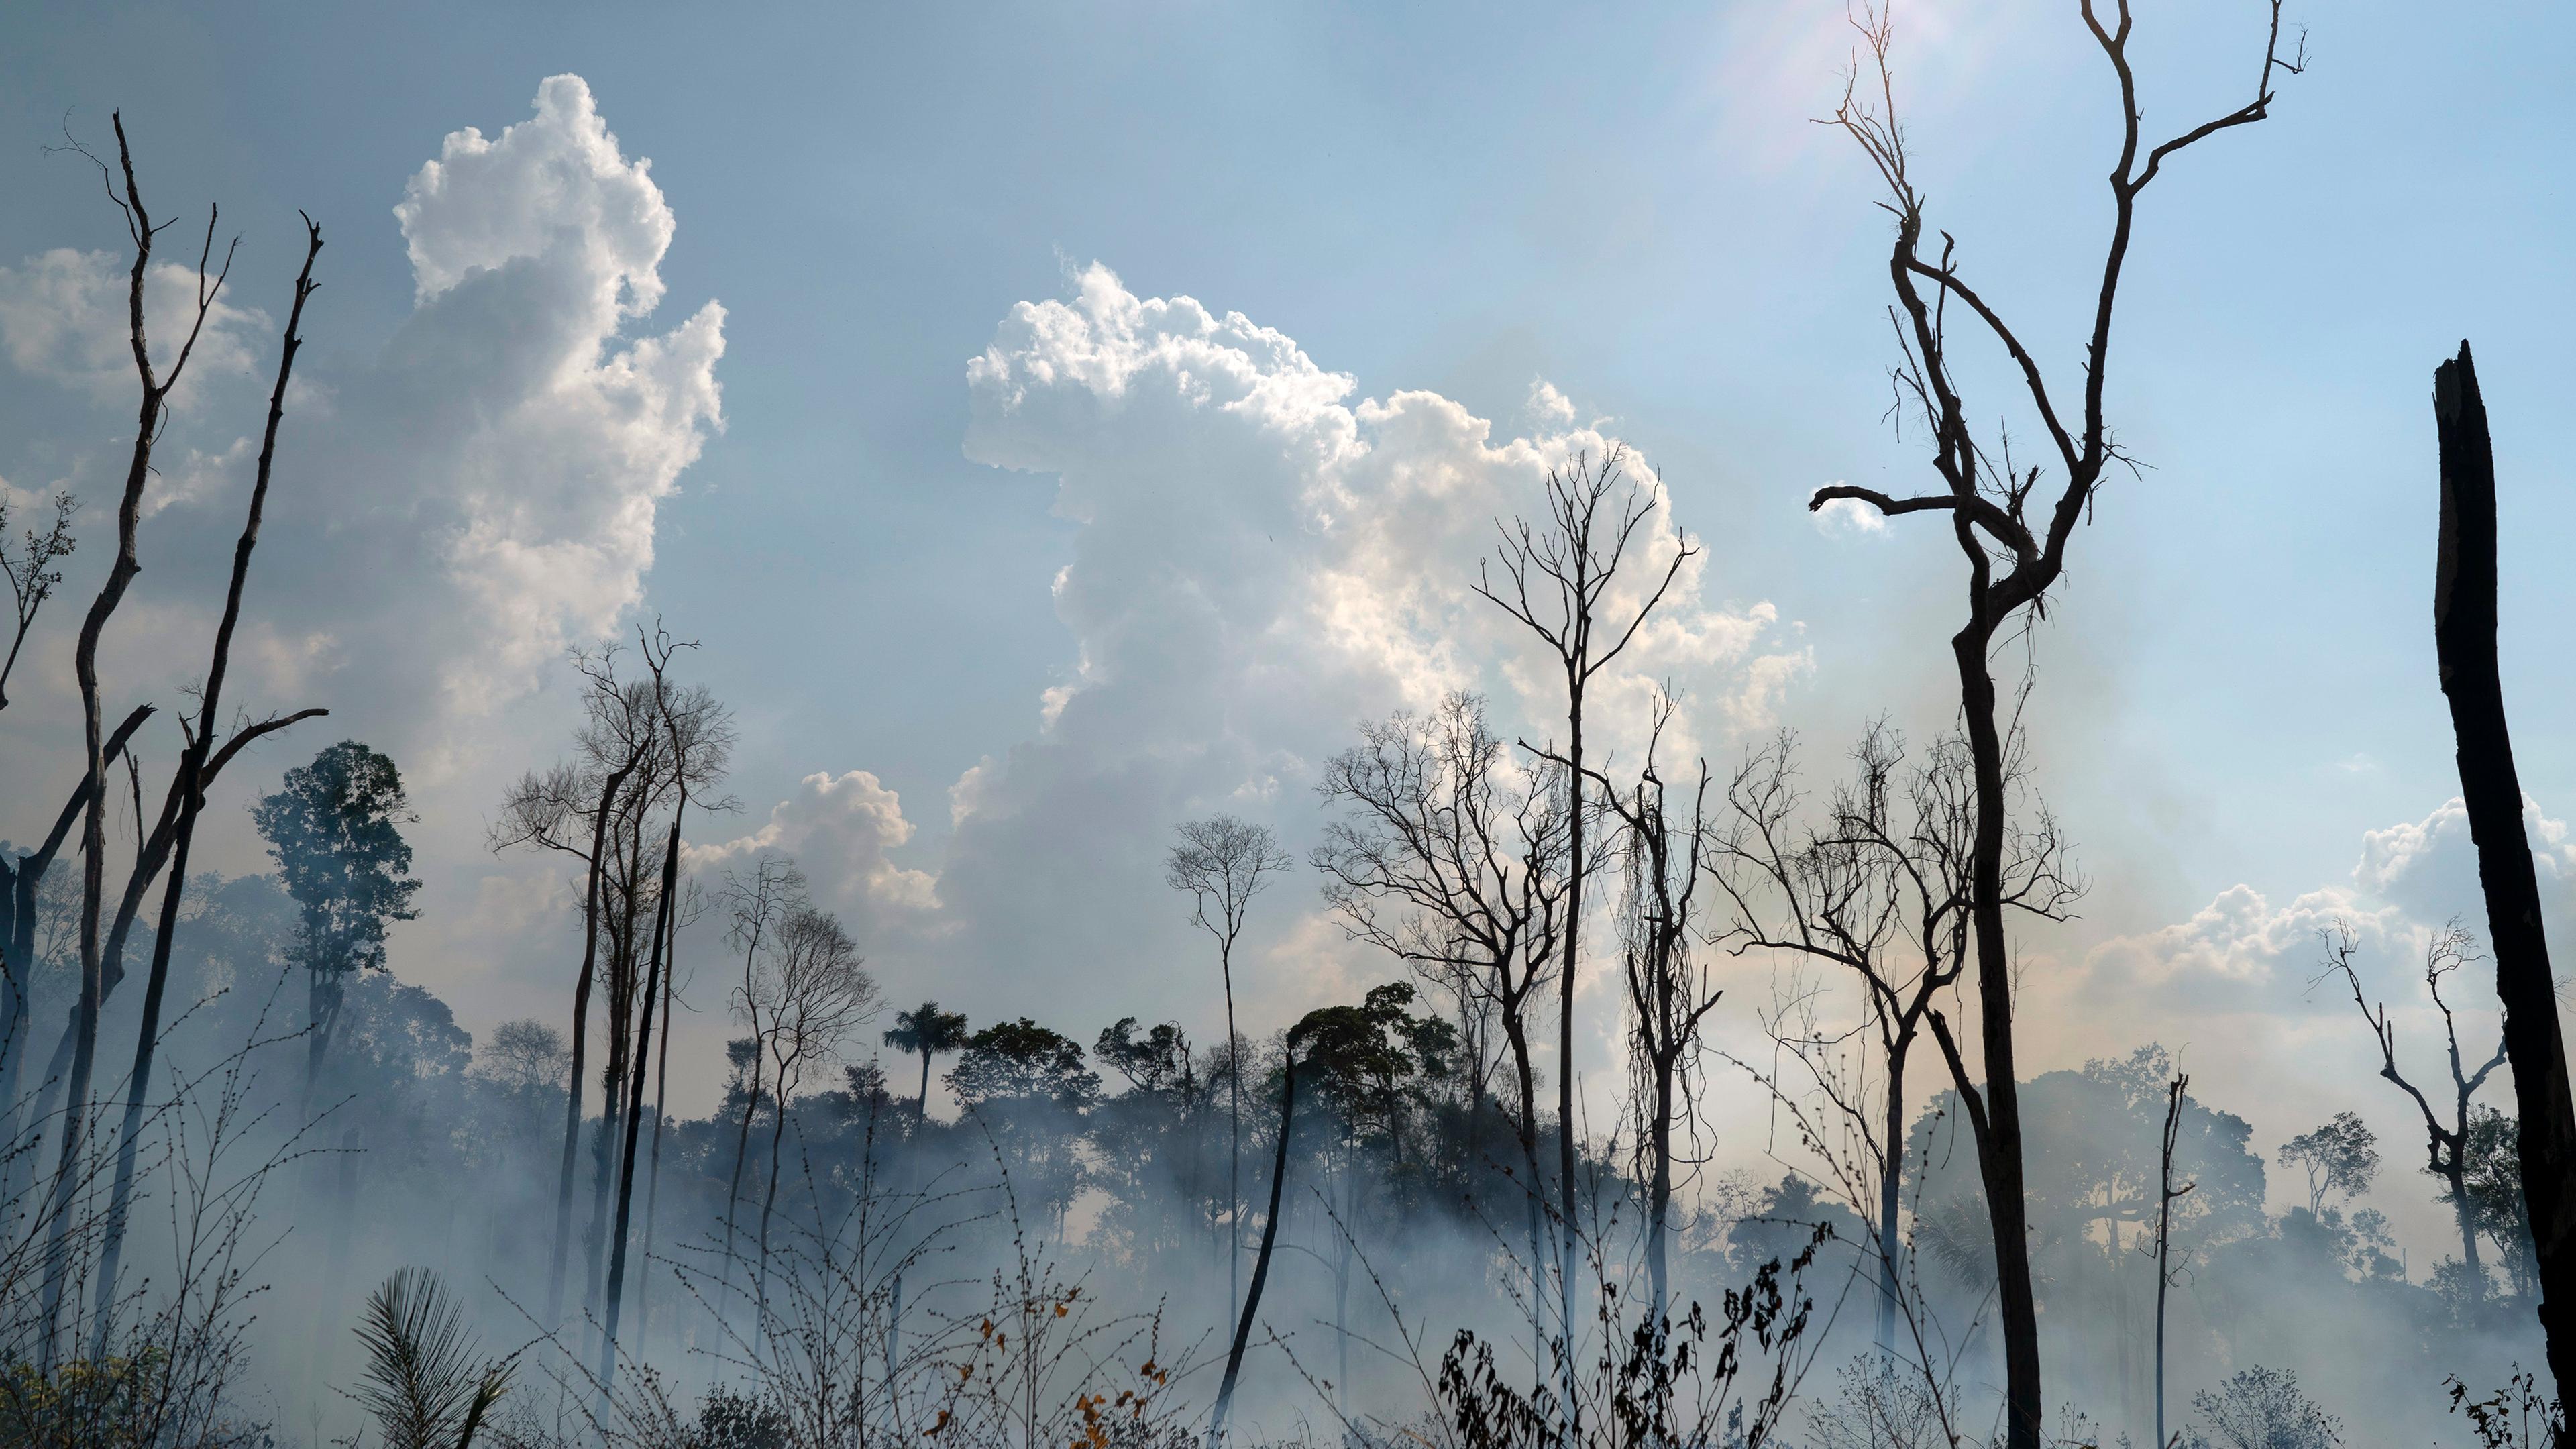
<point x="1269" y="1240"/>
<point x="120" y="575"/>
<point x="580" y="1030"/>
<point x="2166" y="1194"/>
<point x="2464" y="632"/>
<point x="190" y="789"/>
<point x="635" y="1115"/>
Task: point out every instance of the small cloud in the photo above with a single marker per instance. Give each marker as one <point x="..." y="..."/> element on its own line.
<point x="1547" y="405"/>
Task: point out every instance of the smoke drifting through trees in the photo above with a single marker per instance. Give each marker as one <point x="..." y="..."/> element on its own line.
<point x="1035" y="1267"/>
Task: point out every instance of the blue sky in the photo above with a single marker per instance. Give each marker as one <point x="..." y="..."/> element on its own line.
<point x="1629" y="203"/>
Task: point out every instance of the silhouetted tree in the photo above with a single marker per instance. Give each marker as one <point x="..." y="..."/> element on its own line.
<point x="2445" y="1141"/>
<point x="2340" y="1157"/>
<point x="1222" y="863"/>
<point x="1446" y="864"/>
<point x="926" y="1032"/>
<point x="188" y="801"/>
<point x="33" y="573"/>
<point x="2464" y="636"/>
<point x="334" y="827"/>
<point x="1558" y="581"/>
<point x="2011" y="565"/>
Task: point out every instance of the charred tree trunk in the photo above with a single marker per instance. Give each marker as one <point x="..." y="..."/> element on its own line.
<point x="635" y="1117"/>
<point x="1998" y="1127"/>
<point x="190" y="790"/>
<point x="2464" y="631"/>
<point x="1269" y="1240"/>
<point x="580" y="1036"/>
<point x="2166" y="1194"/>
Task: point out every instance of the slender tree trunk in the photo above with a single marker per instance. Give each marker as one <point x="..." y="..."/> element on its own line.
<point x="1260" y="1264"/>
<point x="192" y="802"/>
<point x="2164" y="1244"/>
<point x="1659" y="1191"/>
<point x="1567" y="1235"/>
<point x="661" y="1104"/>
<point x="741" y="1148"/>
<point x="635" y="1117"/>
<point x="580" y="1038"/>
<point x="1532" y="1197"/>
<point x="769" y="1200"/>
<point x="1999" y="1156"/>
<point x="921" y="1107"/>
<point x="1234" y="1155"/>
<point x="2464" y="629"/>
<point x="1891" y="1171"/>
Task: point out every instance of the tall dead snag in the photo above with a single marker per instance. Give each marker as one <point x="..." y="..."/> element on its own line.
<point x="190" y="799"/>
<point x="155" y="388"/>
<point x="700" y="738"/>
<point x="1662" y="852"/>
<point x="1222" y="863"/>
<point x="2011" y="565"/>
<point x="2464" y="633"/>
<point x="2166" y="1194"/>
<point x="1557" y="578"/>
<point x="554" y="811"/>
<point x="1269" y="1234"/>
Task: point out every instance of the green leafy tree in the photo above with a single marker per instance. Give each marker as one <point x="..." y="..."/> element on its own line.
<point x="926" y="1032"/>
<point x="334" y="828"/>
<point x="2340" y="1158"/>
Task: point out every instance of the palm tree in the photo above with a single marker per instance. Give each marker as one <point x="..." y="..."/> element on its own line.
<point x="928" y="1030"/>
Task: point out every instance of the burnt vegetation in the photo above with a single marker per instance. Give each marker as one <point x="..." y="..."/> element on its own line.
<point x="278" y="1194"/>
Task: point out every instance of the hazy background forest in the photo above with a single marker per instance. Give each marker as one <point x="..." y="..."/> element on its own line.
<point x="1563" y="829"/>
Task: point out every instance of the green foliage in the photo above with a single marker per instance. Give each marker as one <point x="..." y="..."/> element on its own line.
<point x="1021" y="1062"/>
<point x="335" y="829"/>
<point x="2340" y="1157"/>
<point x="424" y="1385"/>
<point x="107" y="1403"/>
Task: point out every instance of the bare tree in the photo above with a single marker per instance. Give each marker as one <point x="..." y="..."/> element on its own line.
<point x="33" y="573"/>
<point x="2445" y="1142"/>
<point x="1663" y="852"/>
<point x="2011" y="564"/>
<point x="149" y="416"/>
<point x="755" y="904"/>
<point x="1879" y="888"/>
<point x="2464" y="633"/>
<point x="2166" y="1193"/>
<point x="1461" y="873"/>
<point x="816" y="994"/>
<point x="1223" y="863"/>
<point x="553" y="811"/>
<point x="699" y="736"/>
<point x="1558" y="578"/>
<point x="188" y="796"/>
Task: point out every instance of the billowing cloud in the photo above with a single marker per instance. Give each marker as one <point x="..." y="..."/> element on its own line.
<point x="840" y="830"/>
<point x="447" y="514"/>
<point x="2242" y="953"/>
<point x="1263" y="558"/>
